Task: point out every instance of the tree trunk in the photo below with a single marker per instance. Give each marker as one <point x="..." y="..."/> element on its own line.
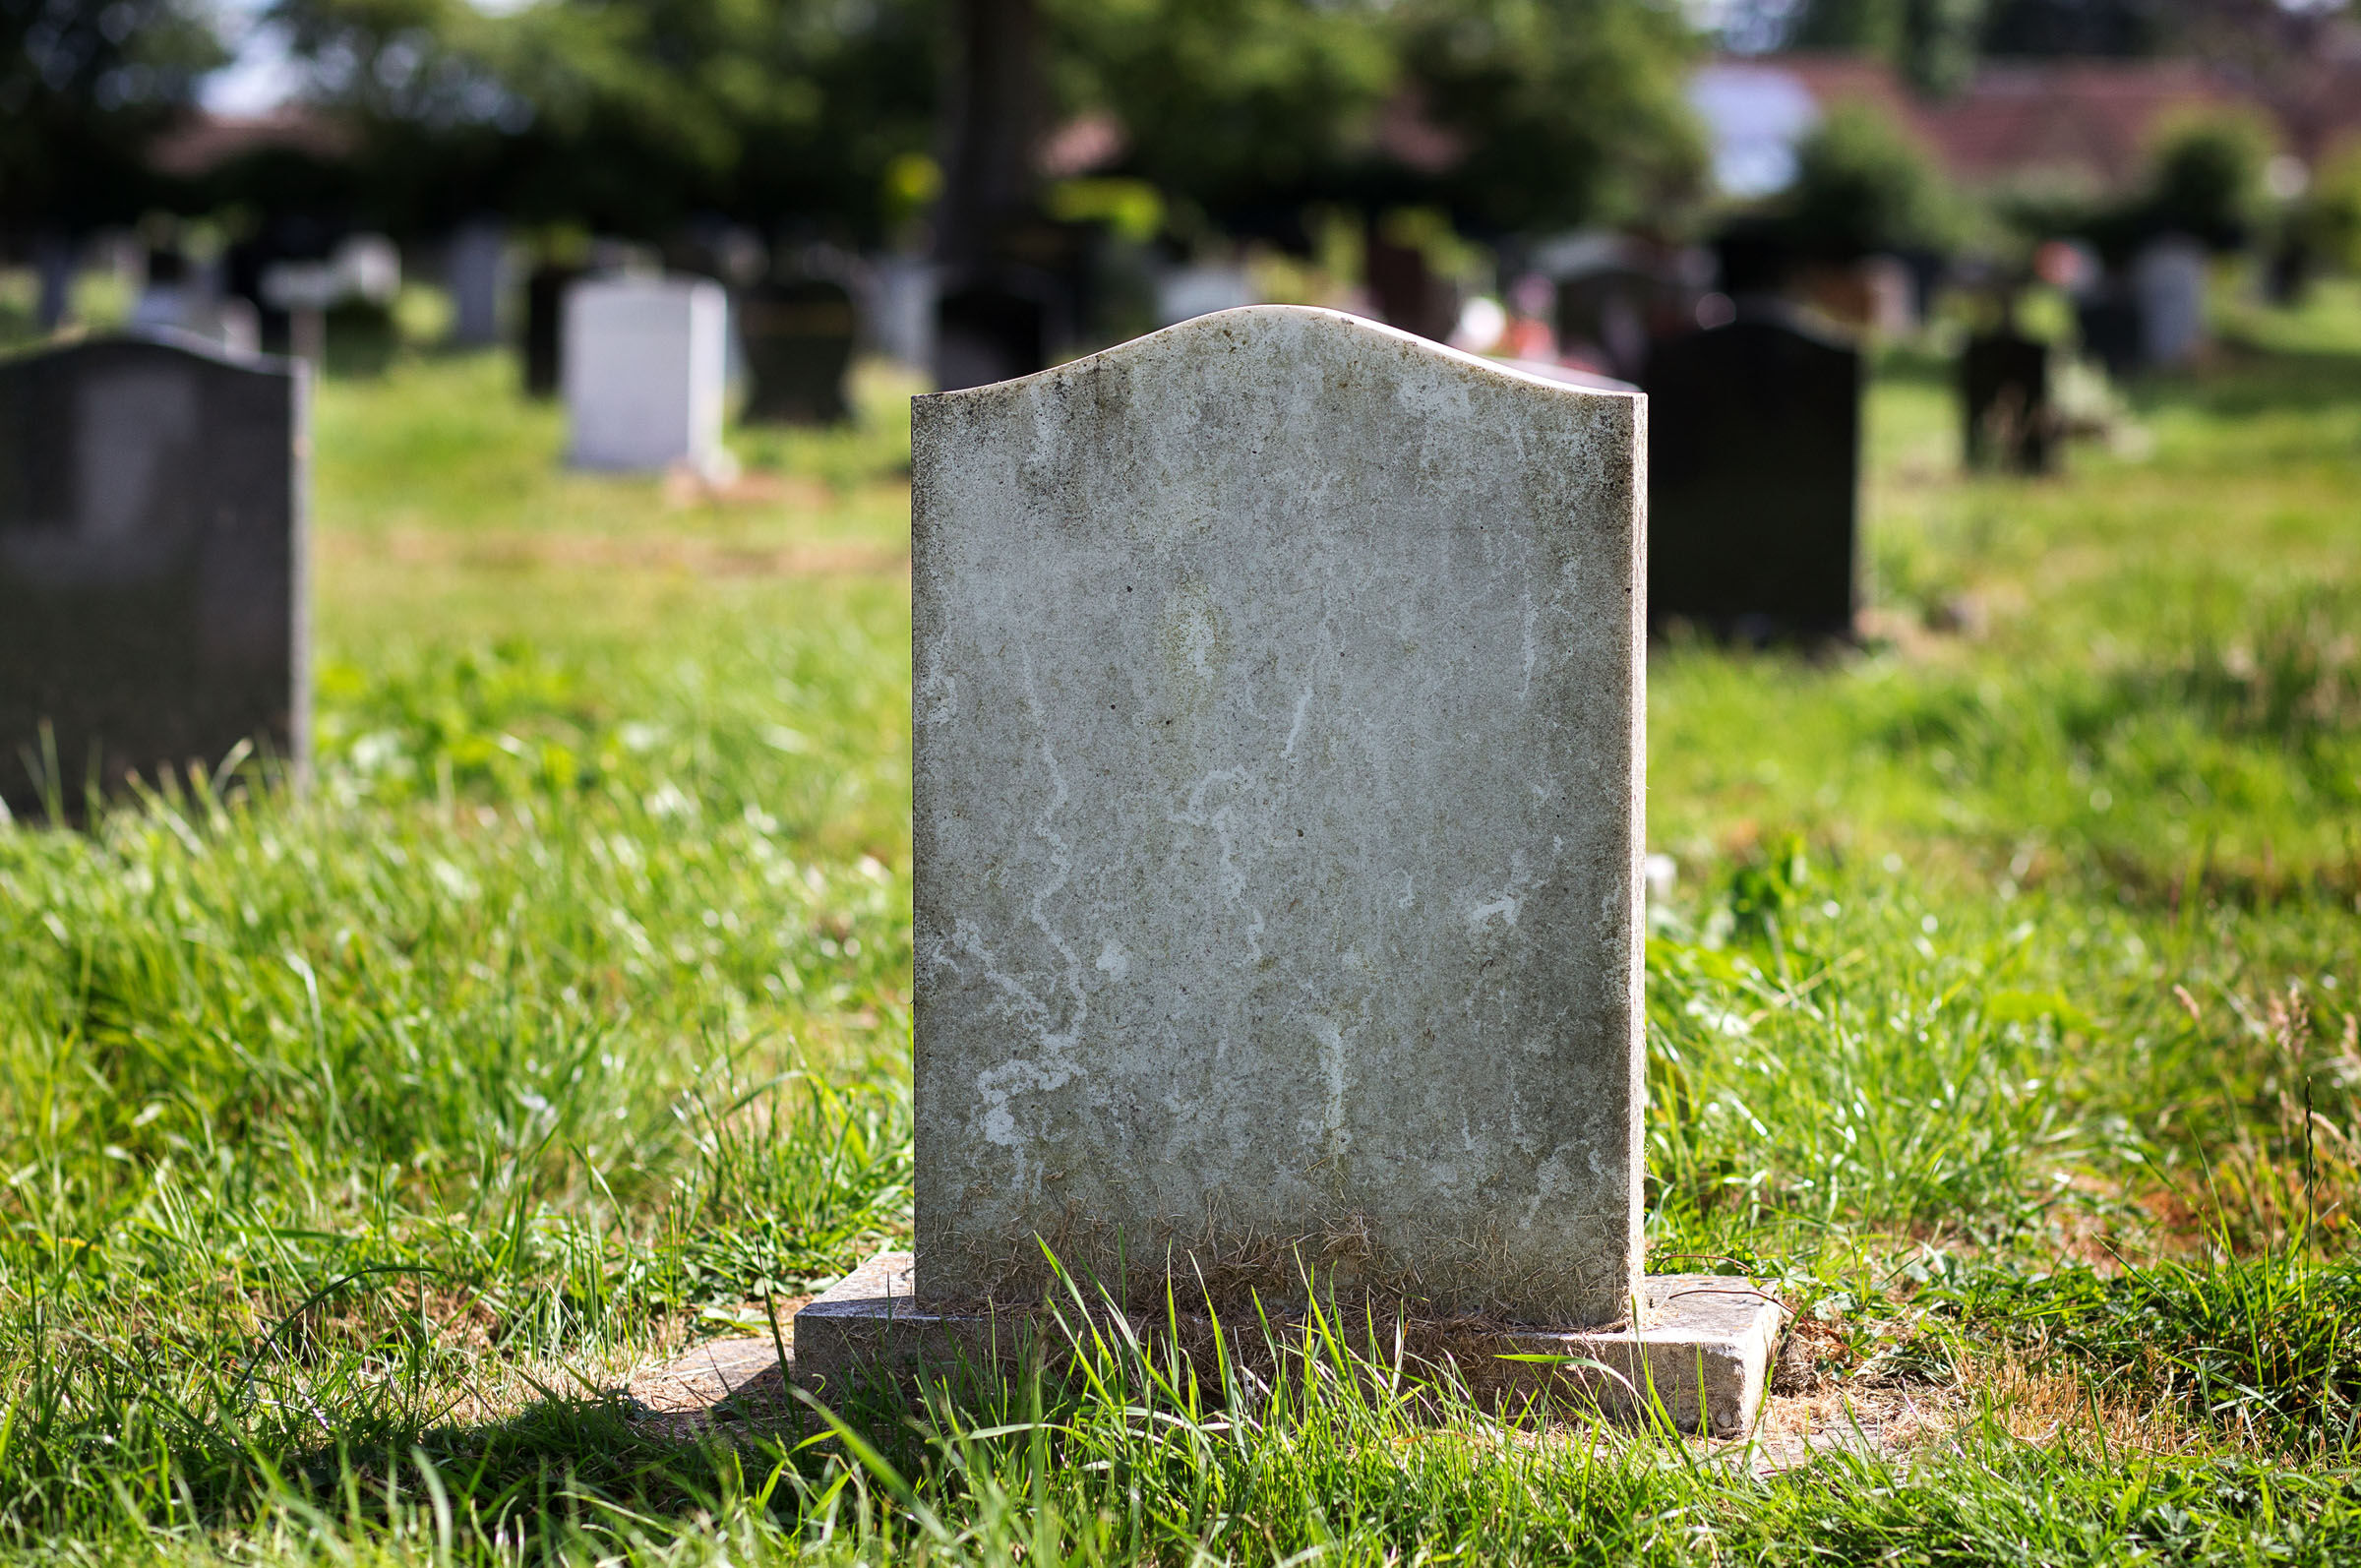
<point x="993" y="125"/>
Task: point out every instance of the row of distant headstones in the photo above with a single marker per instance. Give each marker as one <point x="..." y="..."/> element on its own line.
<point x="149" y="550"/>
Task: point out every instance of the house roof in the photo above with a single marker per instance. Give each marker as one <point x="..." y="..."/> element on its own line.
<point x="2085" y="122"/>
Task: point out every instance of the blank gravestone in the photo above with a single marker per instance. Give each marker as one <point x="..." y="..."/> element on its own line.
<point x="545" y="327"/>
<point x="151" y="565"/>
<point x="1277" y="687"/>
<point x="477" y="274"/>
<point x="2168" y="280"/>
<point x="799" y="344"/>
<point x="985" y="332"/>
<point x="1754" y="471"/>
<point x="646" y="369"/>
<point x="2003" y="399"/>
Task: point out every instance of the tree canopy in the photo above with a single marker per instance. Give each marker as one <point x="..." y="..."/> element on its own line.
<point x="85" y="84"/>
<point x="635" y="116"/>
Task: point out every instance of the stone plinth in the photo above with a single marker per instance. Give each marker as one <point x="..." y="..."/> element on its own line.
<point x="1702" y="1359"/>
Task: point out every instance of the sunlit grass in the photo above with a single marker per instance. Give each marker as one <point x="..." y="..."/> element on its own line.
<point x="2000" y="1013"/>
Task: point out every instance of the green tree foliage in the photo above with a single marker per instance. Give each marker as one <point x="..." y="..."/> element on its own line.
<point x="1932" y="42"/>
<point x="1862" y="185"/>
<point x="2066" y="27"/>
<point x="631" y="115"/>
<point x="2329" y="219"/>
<point x="2206" y="180"/>
<point x="1233" y="105"/>
<point x="83" y="86"/>
<point x="1570" y="111"/>
<point x="628" y="115"/>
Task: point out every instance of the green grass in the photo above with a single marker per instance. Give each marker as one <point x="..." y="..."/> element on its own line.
<point x="2002" y="1012"/>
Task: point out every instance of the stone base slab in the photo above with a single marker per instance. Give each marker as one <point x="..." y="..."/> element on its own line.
<point x="1703" y="1356"/>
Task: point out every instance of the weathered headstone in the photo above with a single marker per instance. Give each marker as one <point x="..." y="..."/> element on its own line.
<point x="545" y="327"/>
<point x="799" y="346"/>
<point x="1407" y="290"/>
<point x="2108" y="323"/>
<point x="647" y="362"/>
<point x="1753" y="465"/>
<point x="2004" y="398"/>
<point x="985" y="332"/>
<point x="476" y="269"/>
<point x="151" y="565"/>
<point x="897" y="304"/>
<point x="2168" y="279"/>
<point x="1277" y="687"/>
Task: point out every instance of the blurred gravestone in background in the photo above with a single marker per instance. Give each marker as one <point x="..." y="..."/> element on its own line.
<point x="178" y="295"/>
<point x="477" y="273"/>
<point x="1406" y="289"/>
<point x="988" y="331"/>
<point x="997" y="308"/>
<point x="2004" y="395"/>
<point x="2109" y="325"/>
<point x="647" y="367"/>
<point x="1753" y="479"/>
<point x="797" y="339"/>
<point x="545" y="327"/>
<point x="152" y="565"/>
<point x="2168" y="280"/>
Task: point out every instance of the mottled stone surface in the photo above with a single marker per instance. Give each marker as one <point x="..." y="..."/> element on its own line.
<point x="1277" y="747"/>
<point x="151" y="565"/>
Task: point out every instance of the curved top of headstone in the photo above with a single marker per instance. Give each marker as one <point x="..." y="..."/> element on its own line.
<point x="171" y="340"/>
<point x="1285" y="328"/>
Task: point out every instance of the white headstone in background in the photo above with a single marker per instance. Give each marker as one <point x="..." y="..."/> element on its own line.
<point x="1187" y="292"/>
<point x="898" y="303"/>
<point x="2169" y="282"/>
<point x="1892" y="296"/>
<point x="478" y="277"/>
<point x="647" y="362"/>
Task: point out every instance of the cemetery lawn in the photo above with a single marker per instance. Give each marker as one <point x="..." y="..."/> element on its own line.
<point x="2002" y="1015"/>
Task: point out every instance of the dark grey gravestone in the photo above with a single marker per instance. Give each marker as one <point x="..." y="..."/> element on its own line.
<point x="151" y="565"/>
<point x="2004" y="396"/>
<point x="1754" y="451"/>
<point x="2112" y="331"/>
<point x="799" y="343"/>
<point x="985" y="333"/>
<point x="545" y="327"/>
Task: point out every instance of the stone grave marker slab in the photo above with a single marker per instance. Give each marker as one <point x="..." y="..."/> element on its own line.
<point x="152" y="564"/>
<point x="799" y="346"/>
<point x="1754" y="474"/>
<point x="2004" y="398"/>
<point x="985" y="332"/>
<point x="544" y="344"/>
<point x="476" y="269"/>
<point x="646" y="369"/>
<point x="1277" y="749"/>
<point x="2168" y="279"/>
